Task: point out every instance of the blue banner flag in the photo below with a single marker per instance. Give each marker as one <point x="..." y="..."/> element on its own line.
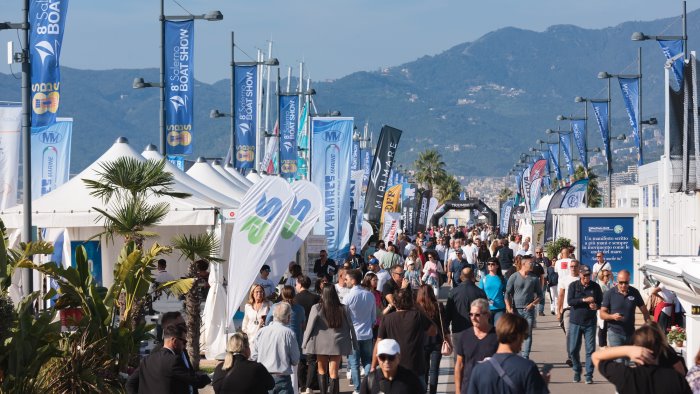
<point x="330" y="171"/>
<point x="46" y="20"/>
<point x="302" y="143"/>
<point x="355" y="155"/>
<point x="245" y="117"/>
<point x="600" y="109"/>
<point x="630" y="95"/>
<point x="179" y="86"/>
<point x="288" y="120"/>
<point x="548" y="168"/>
<point x="578" y="127"/>
<point x="673" y="50"/>
<point x="51" y="156"/>
<point x="177" y="161"/>
<point x="555" y="160"/>
<point x="565" y="144"/>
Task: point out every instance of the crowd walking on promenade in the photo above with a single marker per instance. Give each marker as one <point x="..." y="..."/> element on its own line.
<point x="377" y="314"/>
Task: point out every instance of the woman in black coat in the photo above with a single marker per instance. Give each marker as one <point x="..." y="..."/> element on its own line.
<point x="239" y="375"/>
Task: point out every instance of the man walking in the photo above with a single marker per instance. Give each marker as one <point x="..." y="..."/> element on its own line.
<point x="360" y="303"/>
<point x="325" y="267"/>
<point x="618" y="307"/>
<point x="584" y="298"/>
<point x="563" y="310"/>
<point x="600" y="264"/>
<point x="276" y="348"/>
<point x="459" y="303"/>
<point x="390" y="258"/>
<point x="505" y="256"/>
<point x="458" y="264"/>
<point x="526" y="293"/>
<point x="307" y="299"/>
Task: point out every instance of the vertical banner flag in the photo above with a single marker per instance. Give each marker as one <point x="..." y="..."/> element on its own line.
<point x="379" y="175"/>
<point x="258" y="225"/>
<point x="179" y="86"/>
<point x="358" y="236"/>
<point x="47" y="19"/>
<point x="565" y="142"/>
<point x="51" y="156"/>
<point x="601" y="111"/>
<point x="548" y="169"/>
<point x="422" y="224"/>
<point x="630" y="95"/>
<point x="505" y="216"/>
<point x="392" y="201"/>
<point x="673" y="50"/>
<point x="270" y="163"/>
<point x="525" y="186"/>
<point x="10" y="124"/>
<point x="554" y="203"/>
<point x="302" y="217"/>
<point x="578" y="127"/>
<point x="302" y="143"/>
<point x="408" y="207"/>
<point x="575" y="197"/>
<point x="390" y="226"/>
<point x="245" y="105"/>
<point x="555" y="160"/>
<point x="288" y="120"/>
<point x="537" y="174"/>
<point x="330" y="171"/>
<point x="432" y="207"/>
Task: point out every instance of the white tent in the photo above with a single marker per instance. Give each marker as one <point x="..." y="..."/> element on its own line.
<point x="232" y="170"/>
<point x="71" y="207"/>
<point x="205" y="174"/>
<point x="191" y="185"/>
<point x="216" y="165"/>
<point x="253" y="176"/>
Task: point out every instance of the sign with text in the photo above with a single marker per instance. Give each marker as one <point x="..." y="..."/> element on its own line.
<point x="613" y="237"/>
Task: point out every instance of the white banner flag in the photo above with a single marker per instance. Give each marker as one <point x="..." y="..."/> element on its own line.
<point x="302" y="217"/>
<point x="391" y="225"/>
<point x="10" y="124"/>
<point x="367" y="233"/>
<point x="431" y="210"/>
<point x="257" y="228"/>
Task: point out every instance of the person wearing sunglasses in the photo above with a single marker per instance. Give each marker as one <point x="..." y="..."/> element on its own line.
<point x="390" y="377"/>
<point x="475" y="345"/>
<point x="618" y="307"/>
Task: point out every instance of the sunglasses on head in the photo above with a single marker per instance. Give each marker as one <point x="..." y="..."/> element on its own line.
<point x="386" y="357"/>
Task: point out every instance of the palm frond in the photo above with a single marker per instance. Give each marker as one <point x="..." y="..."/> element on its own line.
<point x="178" y="287"/>
<point x="202" y="246"/>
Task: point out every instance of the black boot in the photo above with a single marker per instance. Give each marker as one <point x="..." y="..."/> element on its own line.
<point x="334" y="386"/>
<point x="433" y="389"/>
<point x="322" y="384"/>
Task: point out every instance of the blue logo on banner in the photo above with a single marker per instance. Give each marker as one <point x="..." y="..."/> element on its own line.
<point x="179" y="86"/>
<point x="289" y="107"/>
<point x="46" y="19"/>
<point x="630" y="95"/>
<point x="578" y="128"/>
<point x="612" y="236"/>
<point x="600" y="109"/>
<point x="245" y="117"/>
<point x="50" y="156"/>
<point x="566" y="146"/>
<point x="330" y="171"/>
<point x="555" y="160"/>
<point x="673" y="49"/>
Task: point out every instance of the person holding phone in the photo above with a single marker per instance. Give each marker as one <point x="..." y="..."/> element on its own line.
<point x="618" y="307"/>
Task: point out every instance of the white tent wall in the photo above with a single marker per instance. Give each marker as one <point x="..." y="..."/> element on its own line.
<point x="231" y="170"/>
<point x="205" y="174"/>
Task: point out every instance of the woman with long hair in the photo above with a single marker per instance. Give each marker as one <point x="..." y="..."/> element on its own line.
<point x="239" y="375"/>
<point x="413" y="258"/>
<point x="494" y="285"/>
<point x="329" y="335"/>
<point x="256" y="311"/>
<point x="495" y="245"/>
<point x="370" y="282"/>
<point x="426" y="302"/>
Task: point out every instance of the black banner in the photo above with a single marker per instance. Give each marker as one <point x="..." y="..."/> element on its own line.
<point x="423" y="211"/>
<point x="408" y="208"/>
<point x="554" y="203"/>
<point x="379" y="176"/>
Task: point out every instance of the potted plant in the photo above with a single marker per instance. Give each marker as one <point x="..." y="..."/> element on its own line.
<point x="676" y="335"/>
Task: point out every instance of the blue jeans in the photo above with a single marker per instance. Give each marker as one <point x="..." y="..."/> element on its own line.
<point x="362" y="355"/>
<point x="530" y="317"/>
<point x="617" y="339"/>
<point x="576" y="334"/>
<point x="495" y="315"/>
<point x="283" y="385"/>
<point x="540" y="306"/>
<point x="433" y="360"/>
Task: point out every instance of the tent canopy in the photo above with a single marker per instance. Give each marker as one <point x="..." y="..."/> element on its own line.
<point x="204" y="173"/>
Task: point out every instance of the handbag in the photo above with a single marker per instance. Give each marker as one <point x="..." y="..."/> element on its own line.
<point x="446" y="348"/>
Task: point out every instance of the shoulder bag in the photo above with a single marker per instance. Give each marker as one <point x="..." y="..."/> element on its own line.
<point x="446" y="348"/>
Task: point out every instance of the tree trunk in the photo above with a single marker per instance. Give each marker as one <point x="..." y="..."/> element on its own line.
<point x="193" y="320"/>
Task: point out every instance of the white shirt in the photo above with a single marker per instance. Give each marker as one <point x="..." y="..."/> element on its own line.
<point x="470" y="253"/>
<point x="163" y="276"/>
<point x="379" y="253"/>
<point x="267" y="284"/>
<point x="562" y="268"/>
<point x="566" y="282"/>
<point x="514" y="246"/>
<point x="382" y="277"/>
<point x="597" y="267"/>
<point x="440" y="249"/>
<point x="409" y="247"/>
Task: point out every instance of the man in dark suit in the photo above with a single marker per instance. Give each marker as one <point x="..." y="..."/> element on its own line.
<point x="307" y="365"/>
<point x="459" y="304"/>
<point x="164" y="371"/>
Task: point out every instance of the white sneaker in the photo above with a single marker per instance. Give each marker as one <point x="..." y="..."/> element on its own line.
<point x="308" y="391"/>
<point x="348" y="374"/>
<point x="362" y="371"/>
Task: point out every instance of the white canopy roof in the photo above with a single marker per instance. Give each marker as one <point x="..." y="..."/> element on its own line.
<point x="253" y="176"/>
<point x="190" y="185"/>
<point x="204" y="173"/>
<point x="71" y="205"/>
<point x="216" y="165"/>
<point x="231" y="170"/>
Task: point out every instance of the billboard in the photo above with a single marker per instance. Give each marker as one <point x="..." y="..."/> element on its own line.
<point x="613" y="237"/>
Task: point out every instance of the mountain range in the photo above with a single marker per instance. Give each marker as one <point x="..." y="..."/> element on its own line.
<point x="480" y="103"/>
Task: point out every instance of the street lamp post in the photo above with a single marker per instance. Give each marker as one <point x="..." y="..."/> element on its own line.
<point x="639" y="36"/>
<point x="140" y="83"/>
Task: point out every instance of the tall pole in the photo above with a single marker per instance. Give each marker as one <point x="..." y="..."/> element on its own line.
<point x="259" y="139"/>
<point x="639" y="104"/>
<point x="267" y="89"/>
<point x="162" y="80"/>
<point x="27" y="282"/>
<point x="233" y="104"/>
<point x="585" y="136"/>
<point x="685" y="33"/>
<point x="610" y="170"/>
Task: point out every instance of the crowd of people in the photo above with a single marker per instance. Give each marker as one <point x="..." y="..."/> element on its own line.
<point x="377" y="313"/>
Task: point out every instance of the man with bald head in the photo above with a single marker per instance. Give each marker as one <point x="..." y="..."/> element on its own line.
<point x="618" y="308"/>
<point x="459" y="303"/>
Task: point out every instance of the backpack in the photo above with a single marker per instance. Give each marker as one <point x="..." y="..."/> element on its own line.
<point x="552" y="276"/>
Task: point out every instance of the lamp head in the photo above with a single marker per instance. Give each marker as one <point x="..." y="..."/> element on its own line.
<point x="138" y="83"/>
<point x="561" y="117"/>
<point x="621" y="137"/>
<point x="579" y="99"/>
<point x="273" y="61"/>
<point x="539" y="142"/>
<point x="311" y="92"/>
<point x="215" y="113"/>
<point x="639" y="36"/>
<point x="549" y="131"/>
<point x="604" y="75"/>
<point x="213" y="16"/>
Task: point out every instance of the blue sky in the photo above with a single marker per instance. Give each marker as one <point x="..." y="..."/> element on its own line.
<point x="333" y="37"/>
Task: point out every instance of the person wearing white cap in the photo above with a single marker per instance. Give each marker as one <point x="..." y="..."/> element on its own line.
<point x="390" y="377"/>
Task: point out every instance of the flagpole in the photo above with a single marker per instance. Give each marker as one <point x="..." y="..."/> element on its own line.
<point x="233" y="103"/>
<point x="639" y="104"/>
<point x="27" y="276"/>
<point x="267" y="90"/>
<point x="258" y="118"/>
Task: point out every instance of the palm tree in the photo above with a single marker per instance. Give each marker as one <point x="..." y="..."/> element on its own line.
<point x="429" y="168"/>
<point x="593" y="196"/>
<point x="194" y="247"/>
<point x="129" y="184"/>
<point x="448" y="188"/>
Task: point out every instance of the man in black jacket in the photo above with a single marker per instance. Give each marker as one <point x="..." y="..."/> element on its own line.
<point x="584" y="298"/>
<point x="459" y="304"/>
<point x="164" y="371"/>
<point x="307" y="364"/>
